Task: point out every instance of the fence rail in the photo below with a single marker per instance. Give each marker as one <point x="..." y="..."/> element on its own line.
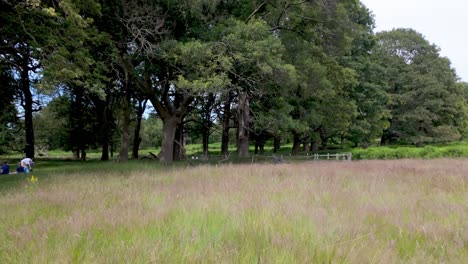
<point x="314" y="157"/>
<point x="337" y="156"/>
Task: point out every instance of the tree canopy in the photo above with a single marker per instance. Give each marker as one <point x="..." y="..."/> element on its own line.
<point x="77" y="75"/>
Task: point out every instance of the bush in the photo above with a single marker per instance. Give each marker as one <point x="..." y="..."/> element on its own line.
<point x="459" y="149"/>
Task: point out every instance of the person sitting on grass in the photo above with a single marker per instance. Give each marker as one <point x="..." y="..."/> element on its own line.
<point x="19" y="168"/>
<point x="27" y="164"/>
<point x="5" y="169"/>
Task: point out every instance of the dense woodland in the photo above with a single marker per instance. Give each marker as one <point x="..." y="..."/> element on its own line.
<point x="81" y="74"/>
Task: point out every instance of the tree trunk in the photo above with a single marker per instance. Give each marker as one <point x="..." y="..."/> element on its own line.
<point x="324" y="138"/>
<point x="167" y="146"/>
<point x="136" y="136"/>
<point x="83" y="154"/>
<point x="276" y="144"/>
<point x="179" y="142"/>
<point x="78" y="138"/>
<point x="226" y="125"/>
<point x="28" y="109"/>
<point x="103" y="118"/>
<point x="296" y="144"/>
<point x="314" y="146"/>
<point x="124" y="138"/>
<point x="205" y="140"/>
<point x="136" y="145"/>
<point x="259" y="144"/>
<point x="112" y="149"/>
<point x="171" y="107"/>
<point x="105" y="149"/>
<point x="206" y="117"/>
<point x="243" y="112"/>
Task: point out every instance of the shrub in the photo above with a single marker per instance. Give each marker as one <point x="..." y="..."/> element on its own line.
<point x="459" y="149"/>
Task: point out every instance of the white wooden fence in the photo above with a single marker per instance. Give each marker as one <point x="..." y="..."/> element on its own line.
<point x="315" y="157"/>
<point x="328" y="156"/>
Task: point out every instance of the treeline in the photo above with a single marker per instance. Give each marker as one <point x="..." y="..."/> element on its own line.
<point x="78" y="74"/>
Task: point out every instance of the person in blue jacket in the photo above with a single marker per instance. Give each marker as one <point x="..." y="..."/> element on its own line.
<point x="19" y="168"/>
<point x="5" y="169"/>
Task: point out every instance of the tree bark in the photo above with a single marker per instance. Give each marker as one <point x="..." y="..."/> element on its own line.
<point x="28" y="108"/>
<point x="314" y="147"/>
<point x="243" y="112"/>
<point x="206" y="117"/>
<point x="205" y="140"/>
<point x="179" y="142"/>
<point x="276" y="144"/>
<point x="226" y="125"/>
<point x="296" y="144"/>
<point x="112" y="149"/>
<point x="105" y="149"/>
<point x="171" y="107"/>
<point x="104" y="116"/>
<point x="78" y="139"/>
<point x="83" y="154"/>
<point x="124" y="138"/>
<point x="136" y="136"/>
<point x="259" y="144"/>
<point x="169" y="131"/>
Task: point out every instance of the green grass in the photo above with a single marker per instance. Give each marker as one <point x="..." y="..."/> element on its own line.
<point x="140" y="212"/>
<point x="448" y="150"/>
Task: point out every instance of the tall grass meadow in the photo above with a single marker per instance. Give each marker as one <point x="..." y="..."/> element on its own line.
<point x="397" y="211"/>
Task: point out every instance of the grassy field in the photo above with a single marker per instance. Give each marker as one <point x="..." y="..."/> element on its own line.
<point x="456" y="149"/>
<point x="401" y="211"/>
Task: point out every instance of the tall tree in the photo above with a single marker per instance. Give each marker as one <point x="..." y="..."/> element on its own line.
<point x="425" y="98"/>
<point x="140" y="108"/>
<point x="8" y="113"/>
<point x="369" y="92"/>
<point x="20" y="43"/>
<point x="47" y="40"/>
<point x="257" y="65"/>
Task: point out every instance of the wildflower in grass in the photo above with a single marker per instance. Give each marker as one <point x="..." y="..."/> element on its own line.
<point x="33" y="179"/>
<point x="31" y="184"/>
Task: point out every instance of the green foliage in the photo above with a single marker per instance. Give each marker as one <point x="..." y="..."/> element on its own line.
<point x="76" y="53"/>
<point x="8" y="112"/>
<point x="314" y="69"/>
<point x="425" y="101"/>
<point x="253" y="54"/>
<point x="455" y="150"/>
<point x="151" y="132"/>
<point x="201" y="68"/>
<point x="59" y="127"/>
